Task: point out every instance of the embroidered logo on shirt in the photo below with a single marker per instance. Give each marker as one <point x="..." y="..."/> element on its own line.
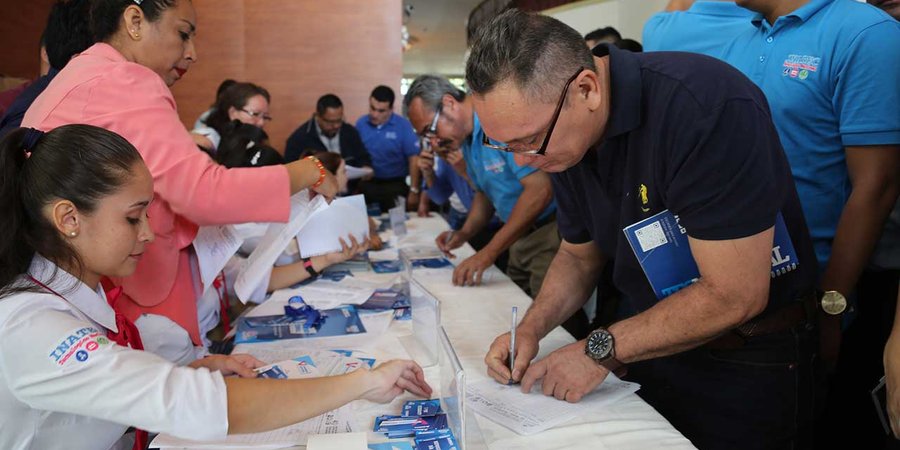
<point x="800" y="66"/>
<point x="496" y="166"/>
<point x="77" y="346"/>
<point x="642" y="191"/>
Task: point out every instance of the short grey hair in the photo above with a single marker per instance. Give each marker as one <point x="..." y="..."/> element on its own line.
<point x="431" y="89"/>
<point x="538" y="53"/>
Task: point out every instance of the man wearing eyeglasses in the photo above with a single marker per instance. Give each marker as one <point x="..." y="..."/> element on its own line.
<point x="521" y="196"/>
<point x="683" y="147"/>
<point x="327" y="131"/>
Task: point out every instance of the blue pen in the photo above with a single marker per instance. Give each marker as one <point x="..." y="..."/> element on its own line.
<point x="512" y="343"/>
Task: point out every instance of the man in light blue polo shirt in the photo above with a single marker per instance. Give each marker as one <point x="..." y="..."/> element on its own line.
<point x="521" y="196"/>
<point x="830" y="70"/>
<point x="394" y="147"/>
<point x="706" y="27"/>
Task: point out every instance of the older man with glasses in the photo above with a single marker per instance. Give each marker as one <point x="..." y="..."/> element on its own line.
<point x="669" y="164"/>
<point x="521" y="196"/>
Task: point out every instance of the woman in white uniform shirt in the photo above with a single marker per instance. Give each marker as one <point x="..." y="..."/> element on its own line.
<point x="74" y="207"/>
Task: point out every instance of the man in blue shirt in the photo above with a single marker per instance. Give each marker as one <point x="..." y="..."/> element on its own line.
<point x="394" y="149"/>
<point x="706" y="27"/>
<point x="830" y="70"/>
<point x="521" y="196"/>
<point x="446" y="180"/>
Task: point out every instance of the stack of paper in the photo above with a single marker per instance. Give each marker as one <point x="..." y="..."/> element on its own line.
<point x="343" y="217"/>
<point x="337" y="421"/>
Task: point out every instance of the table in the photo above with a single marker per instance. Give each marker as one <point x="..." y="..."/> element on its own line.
<point x="473" y="317"/>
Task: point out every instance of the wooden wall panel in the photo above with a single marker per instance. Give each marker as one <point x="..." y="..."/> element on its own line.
<point x="21" y="25"/>
<point x="298" y="50"/>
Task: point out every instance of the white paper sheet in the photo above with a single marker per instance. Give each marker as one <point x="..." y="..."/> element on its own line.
<point x="214" y="246"/>
<point x="322" y="294"/>
<point x="341" y="441"/>
<point x="337" y="421"/>
<point x="527" y="414"/>
<point x="343" y="217"/>
<point x="358" y="172"/>
<point x="257" y="267"/>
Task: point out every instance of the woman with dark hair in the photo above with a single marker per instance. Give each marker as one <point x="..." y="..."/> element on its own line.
<point x="239" y="149"/>
<point x="235" y="148"/>
<point x="244" y="102"/>
<point x="121" y="84"/>
<point x="72" y="373"/>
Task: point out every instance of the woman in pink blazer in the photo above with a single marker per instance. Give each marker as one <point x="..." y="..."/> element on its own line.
<point x="121" y="84"/>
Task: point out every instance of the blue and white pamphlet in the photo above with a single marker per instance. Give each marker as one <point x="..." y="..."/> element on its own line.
<point x="339" y="321"/>
<point x="661" y="246"/>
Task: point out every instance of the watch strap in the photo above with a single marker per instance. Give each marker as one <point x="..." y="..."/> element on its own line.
<point x="615" y="366"/>
<point x="308" y="265"/>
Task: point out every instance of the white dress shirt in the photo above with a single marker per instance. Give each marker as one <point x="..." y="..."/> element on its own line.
<point x="65" y="385"/>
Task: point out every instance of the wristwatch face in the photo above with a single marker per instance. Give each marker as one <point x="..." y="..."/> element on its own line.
<point x="833" y="302"/>
<point x="599" y="345"/>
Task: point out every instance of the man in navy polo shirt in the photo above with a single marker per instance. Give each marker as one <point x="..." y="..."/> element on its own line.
<point x="394" y="147"/>
<point x="706" y="27"/>
<point x="521" y="196"/>
<point x="630" y="138"/>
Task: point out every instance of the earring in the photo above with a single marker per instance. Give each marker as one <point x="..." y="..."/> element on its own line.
<point x="73" y="234"/>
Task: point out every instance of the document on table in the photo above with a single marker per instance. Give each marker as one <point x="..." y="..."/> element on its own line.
<point x="358" y="172"/>
<point x="343" y="217"/>
<point x="214" y="246"/>
<point x="323" y="294"/>
<point x="337" y="421"/>
<point x="277" y="237"/>
<point x="527" y="414"/>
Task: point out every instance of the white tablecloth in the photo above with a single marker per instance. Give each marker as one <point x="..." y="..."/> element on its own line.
<point x="473" y="317"/>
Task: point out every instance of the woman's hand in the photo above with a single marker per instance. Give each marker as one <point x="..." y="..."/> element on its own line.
<point x="392" y="378"/>
<point x="347" y="251"/>
<point x="239" y="364"/>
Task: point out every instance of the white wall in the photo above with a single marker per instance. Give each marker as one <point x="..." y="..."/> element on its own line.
<point x="627" y="16"/>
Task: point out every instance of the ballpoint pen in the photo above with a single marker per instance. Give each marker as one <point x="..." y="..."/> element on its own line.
<point x="512" y="343"/>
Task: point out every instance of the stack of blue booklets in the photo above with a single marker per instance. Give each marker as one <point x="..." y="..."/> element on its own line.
<point x="422" y="420"/>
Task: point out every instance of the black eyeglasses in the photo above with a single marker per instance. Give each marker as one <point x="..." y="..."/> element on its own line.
<point x="430" y="133"/>
<point x="486" y="142"/>
<point x="255" y="114"/>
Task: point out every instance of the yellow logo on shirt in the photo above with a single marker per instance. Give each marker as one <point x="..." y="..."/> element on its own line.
<point x="644" y="199"/>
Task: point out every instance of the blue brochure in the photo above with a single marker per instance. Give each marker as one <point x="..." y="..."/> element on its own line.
<point x="436" y="440"/>
<point x="399" y="445"/>
<point x="389" y="266"/>
<point x="386" y="299"/>
<point x="335" y="322"/>
<point x="661" y="246"/>
<point x="401" y="427"/>
<point x="418" y="408"/>
<point x="431" y="263"/>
